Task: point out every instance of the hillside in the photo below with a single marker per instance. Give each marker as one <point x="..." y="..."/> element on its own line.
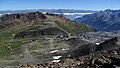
<point x="108" y="20"/>
<point x="19" y="21"/>
<point x="25" y="37"/>
<point x="73" y="52"/>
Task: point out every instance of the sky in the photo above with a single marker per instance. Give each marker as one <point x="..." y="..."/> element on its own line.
<point x="59" y="4"/>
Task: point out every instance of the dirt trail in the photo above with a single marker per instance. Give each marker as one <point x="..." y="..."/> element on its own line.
<point x="28" y="58"/>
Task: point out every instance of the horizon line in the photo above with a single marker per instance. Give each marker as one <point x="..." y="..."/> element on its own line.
<point x="58" y="9"/>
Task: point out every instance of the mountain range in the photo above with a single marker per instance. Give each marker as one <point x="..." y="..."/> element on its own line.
<point x="108" y="20"/>
<point x="69" y="13"/>
<point x="47" y="40"/>
<point x="48" y="10"/>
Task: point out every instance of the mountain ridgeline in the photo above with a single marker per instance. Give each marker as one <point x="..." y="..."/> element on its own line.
<point x="108" y="20"/>
<point x="37" y="21"/>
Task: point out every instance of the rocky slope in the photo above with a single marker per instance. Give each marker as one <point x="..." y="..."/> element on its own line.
<point x="34" y="37"/>
<point x="28" y="20"/>
<point x="108" y="20"/>
<point x="85" y="54"/>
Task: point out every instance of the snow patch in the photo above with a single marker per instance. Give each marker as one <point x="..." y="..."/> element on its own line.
<point x="97" y="43"/>
<point x="56" y="61"/>
<point x="44" y="12"/>
<point x="56" y="57"/>
<point x="54" y="51"/>
<point x="64" y="49"/>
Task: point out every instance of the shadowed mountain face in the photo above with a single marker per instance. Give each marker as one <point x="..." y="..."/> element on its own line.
<point x="88" y="55"/>
<point x="108" y="20"/>
<point x="85" y="48"/>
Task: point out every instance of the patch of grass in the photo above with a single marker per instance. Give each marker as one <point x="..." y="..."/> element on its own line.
<point x="4" y="51"/>
<point x="74" y="28"/>
<point x="16" y="44"/>
<point x="7" y="38"/>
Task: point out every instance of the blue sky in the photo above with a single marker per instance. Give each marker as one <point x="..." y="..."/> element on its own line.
<point x="59" y="4"/>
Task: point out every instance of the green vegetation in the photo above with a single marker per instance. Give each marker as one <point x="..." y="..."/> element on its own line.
<point x="34" y="28"/>
<point x="7" y="39"/>
<point x="8" y="42"/>
<point x="74" y="28"/>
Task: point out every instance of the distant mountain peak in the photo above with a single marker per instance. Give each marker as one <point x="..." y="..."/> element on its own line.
<point x="108" y="20"/>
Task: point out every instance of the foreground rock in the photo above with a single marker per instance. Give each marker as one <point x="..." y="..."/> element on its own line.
<point x="108" y="59"/>
<point x="104" y="55"/>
